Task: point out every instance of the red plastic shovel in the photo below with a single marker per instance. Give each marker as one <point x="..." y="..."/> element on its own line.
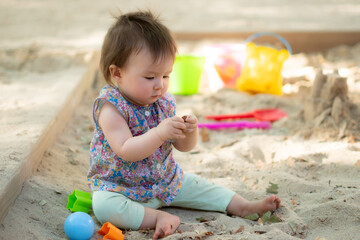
<point x="270" y="115"/>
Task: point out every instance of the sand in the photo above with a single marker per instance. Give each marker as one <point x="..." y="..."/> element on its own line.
<point x="315" y="163"/>
<point x="313" y="155"/>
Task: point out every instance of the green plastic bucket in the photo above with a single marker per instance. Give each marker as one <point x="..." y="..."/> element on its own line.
<point x="186" y="74"/>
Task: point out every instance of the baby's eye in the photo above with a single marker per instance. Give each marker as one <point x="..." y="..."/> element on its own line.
<point x="165" y="76"/>
<point x="149" y="78"/>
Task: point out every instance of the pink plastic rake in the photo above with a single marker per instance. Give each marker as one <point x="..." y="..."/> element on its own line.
<point x="238" y="125"/>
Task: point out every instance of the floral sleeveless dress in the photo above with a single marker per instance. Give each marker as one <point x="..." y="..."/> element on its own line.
<point x="155" y="176"/>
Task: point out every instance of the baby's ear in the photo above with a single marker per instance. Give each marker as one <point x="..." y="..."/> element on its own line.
<point x="115" y="72"/>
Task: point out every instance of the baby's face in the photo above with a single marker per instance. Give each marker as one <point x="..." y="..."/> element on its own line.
<point x="144" y="81"/>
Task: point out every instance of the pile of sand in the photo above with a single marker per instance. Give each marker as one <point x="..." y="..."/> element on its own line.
<point x="329" y="111"/>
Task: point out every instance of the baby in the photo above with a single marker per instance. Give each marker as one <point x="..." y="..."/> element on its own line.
<point x="132" y="170"/>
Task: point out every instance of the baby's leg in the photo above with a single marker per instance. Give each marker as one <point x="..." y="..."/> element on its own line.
<point x="163" y="222"/>
<point x="125" y="213"/>
<point x="117" y="209"/>
<point x="198" y="193"/>
<point x="239" y="206"/>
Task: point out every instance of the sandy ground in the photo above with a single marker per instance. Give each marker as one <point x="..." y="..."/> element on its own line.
<point x="315" y="163"/>
<point x="313" y="155"/>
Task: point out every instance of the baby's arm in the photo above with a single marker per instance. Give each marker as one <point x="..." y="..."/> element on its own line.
<point x="131" y="148"/>
<point x="191" y="134"/>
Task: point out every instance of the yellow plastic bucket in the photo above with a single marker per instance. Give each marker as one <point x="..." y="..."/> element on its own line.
<point x="186" y="74"/>
<point x="261" y="72"/>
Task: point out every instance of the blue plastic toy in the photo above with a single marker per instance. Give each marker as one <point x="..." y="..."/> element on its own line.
<point x="79" y="226"/>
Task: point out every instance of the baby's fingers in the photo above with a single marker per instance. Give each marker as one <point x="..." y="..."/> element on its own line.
<point x="157" y="233"/>
<point x="166" y="230"/>
<point x="190" y="119"/>
<point x="190" y="125"/>
<point x="161" y="232"/>
<point x="179" y="125"/>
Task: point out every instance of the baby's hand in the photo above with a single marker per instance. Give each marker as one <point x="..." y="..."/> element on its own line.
<point x="166" y="224"/>
<point x="171" y="128"/>
<point x="191" y="123"/>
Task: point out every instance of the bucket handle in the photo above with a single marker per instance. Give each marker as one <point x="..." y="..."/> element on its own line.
<point x="260" y="34"/>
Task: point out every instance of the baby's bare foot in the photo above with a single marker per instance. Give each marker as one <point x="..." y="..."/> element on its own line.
<point x="166" y="224"/>
<point x="241" y="207"/>
<point x="262" y="206"/>
<point x="268" y="204"/>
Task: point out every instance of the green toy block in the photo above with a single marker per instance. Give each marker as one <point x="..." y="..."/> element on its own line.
<point x="79" y="201"/>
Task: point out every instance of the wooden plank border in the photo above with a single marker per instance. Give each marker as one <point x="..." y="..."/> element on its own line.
<point x="50" y="134"/>
<point x="299" y="41"/>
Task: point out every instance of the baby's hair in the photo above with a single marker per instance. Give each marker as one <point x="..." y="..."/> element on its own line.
<point x="129" y="34"/>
